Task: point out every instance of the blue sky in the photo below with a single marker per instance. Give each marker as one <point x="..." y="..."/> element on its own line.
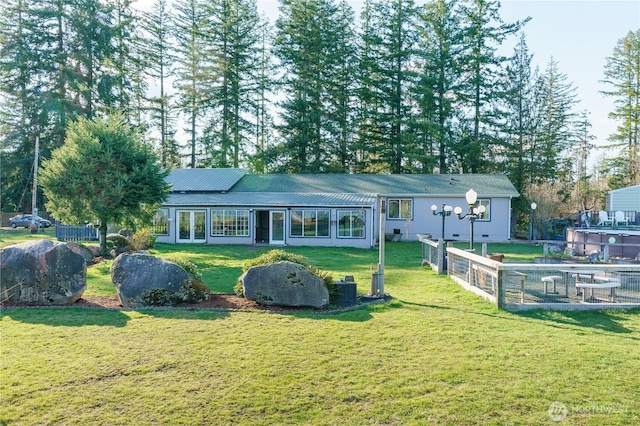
<point x="579" y="34"/>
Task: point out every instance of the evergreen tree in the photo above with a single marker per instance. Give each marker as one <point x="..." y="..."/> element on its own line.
<point x="17" y="114"/>
<point x="193" y="76"/>
<point x="103" y="171"/>
<point x="520" y="115"/>
<point x="341" y="91"/>
<point x="389" y="39"/>
<point x="369" y="96"/>
<point x="555" y="134"/>
<point x="233" y="40"/>
<point x="519" y="125"/>
<point x="157" y="49"/>
<point x="484" y="32"/>
<point x="305" y="45"/>
<point x="263" y="88"/>
<point x="440" y="47"/>
<point x="622" y="74"/>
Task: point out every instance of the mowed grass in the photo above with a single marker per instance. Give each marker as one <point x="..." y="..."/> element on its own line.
<point x="433" y="355"/>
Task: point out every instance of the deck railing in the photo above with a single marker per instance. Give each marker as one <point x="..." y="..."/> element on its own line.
<point x="520" y="286"/>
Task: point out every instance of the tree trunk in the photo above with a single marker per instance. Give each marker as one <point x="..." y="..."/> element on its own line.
<point x="103" y="237"/>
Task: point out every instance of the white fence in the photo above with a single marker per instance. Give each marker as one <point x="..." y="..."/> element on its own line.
<point x="520" y="286"/>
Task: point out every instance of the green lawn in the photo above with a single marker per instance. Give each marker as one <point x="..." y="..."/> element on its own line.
<point x="435" y="354"/>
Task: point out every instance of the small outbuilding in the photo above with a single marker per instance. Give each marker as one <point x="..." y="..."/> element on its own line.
<point x="623" y="199"/>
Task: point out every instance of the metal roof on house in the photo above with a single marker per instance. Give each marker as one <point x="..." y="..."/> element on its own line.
<point x="486" y="185"/>
<point x="204" y="180"/>
<point x="249" y="199"/>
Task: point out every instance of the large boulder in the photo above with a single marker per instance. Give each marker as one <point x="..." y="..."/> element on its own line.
<point x="82" y="250"/>
<point x="41" y="272"/>
<point x="284" y="284"/>
<point x="145" y="280"/>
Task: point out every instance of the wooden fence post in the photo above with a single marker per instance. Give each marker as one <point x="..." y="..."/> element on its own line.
<point x="502" y="277"/>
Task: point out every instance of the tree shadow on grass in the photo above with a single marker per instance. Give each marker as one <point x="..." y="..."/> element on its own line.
<point x="610" y="321"/>
<point x="607" y="320"/>
<point x="180" y="313"/>
<point x="67" y="316"/>
<point x="357" y="313"/>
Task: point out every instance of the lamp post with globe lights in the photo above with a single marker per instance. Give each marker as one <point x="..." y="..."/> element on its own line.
<point x="446" y="211"/>
<point x="531" y="228"/>
<point x="475" y="212"/>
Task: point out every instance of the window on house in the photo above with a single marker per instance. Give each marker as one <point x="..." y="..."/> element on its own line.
<point x="486" y="216"/>
<point x="400" y="208"/>
<point x="161" y="222"/>
<point x="351" y="223"/>
<point x="309" y="223"/>
<point x="228" y="222"/>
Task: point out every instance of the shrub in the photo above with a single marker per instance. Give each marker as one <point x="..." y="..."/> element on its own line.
<point x="238" y="289"/>
<point x="275" y="256"/>
<point x="143" y="239"/>
<point x="159" y="297"/>
<point x="120" y="242"/>
<point x="190" y="292"/>
<point x="188" y="266"/>
<point x="329" y="283"/>
<point x="193" y="292"/>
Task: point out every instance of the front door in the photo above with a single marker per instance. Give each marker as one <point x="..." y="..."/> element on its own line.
<point x="276" y="230"/>
<point x="192" y="226"/>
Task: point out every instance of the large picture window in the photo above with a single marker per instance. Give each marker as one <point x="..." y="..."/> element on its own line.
<point x="161" y="222"/>
<point x="486" y="216"/>
<point x="351" y="223"/>
<point x="400" y="208"/>
<point x="309" y="223"/>
<point x="234" y="223"/>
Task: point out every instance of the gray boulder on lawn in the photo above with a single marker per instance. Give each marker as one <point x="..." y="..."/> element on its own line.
<point x="284" y="284"/>
<point x="145" y="280"/>
<point x="41" y="272"/>
<point x="82" y="250"/>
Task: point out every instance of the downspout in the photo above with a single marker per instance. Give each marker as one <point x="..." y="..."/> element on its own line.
<point x="372" y="241"/>
<point x="509" y="221"/>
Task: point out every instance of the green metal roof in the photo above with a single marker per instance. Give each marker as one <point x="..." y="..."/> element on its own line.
<point x="401" y="184"/>
<point x="237" y="181"/>
<point x="252" y="199"/>
<point x="204" y="180"/>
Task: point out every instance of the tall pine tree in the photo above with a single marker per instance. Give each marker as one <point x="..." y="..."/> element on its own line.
<point x="622" y="74"/>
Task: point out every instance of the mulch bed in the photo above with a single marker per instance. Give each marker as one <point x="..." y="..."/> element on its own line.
<point x="215" y="301"/>
<point x="218" y="301"/>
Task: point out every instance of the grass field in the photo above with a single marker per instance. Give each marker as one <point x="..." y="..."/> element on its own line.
<point x="433" y="355"/>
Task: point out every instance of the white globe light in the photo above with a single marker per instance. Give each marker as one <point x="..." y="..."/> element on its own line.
<point x="471" y="196"/>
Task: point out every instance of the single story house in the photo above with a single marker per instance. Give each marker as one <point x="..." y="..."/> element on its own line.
<point x="232" y="206"/>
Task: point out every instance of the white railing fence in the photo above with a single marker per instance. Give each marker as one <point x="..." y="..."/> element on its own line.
<point x="520" y="286"/>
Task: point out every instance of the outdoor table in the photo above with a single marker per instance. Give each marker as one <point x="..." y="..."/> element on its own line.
<point x="519" y="276"/>
<point x="612" y="284"/>
<point x="579" y="273"/>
